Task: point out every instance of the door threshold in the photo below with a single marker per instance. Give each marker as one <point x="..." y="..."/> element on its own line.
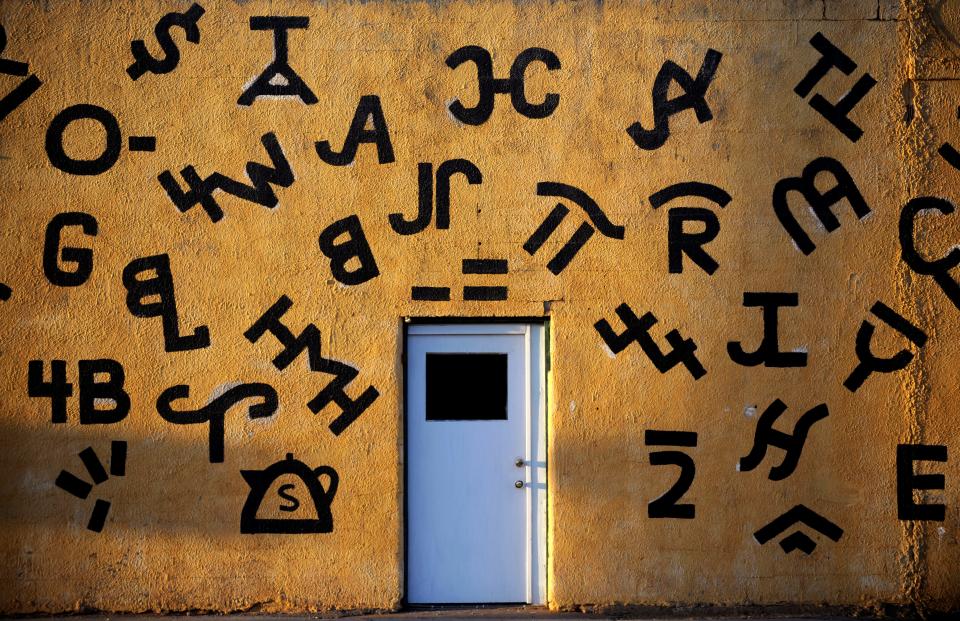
<point x="488" y="610"/>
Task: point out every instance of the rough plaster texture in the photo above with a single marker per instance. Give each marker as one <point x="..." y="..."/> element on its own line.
<point x="172" y="540"/>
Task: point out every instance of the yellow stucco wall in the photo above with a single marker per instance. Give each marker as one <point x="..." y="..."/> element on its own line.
<point x="172" y="538"/>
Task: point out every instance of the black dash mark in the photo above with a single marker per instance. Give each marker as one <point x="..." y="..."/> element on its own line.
<point x="430" y="294"/>
<point x="484" y="266"/>
<point x="949" y="154"/>
<point x="570" y="249"/>
<point x="92" y="463"/>
<point x="99" y="515"/>
<point x="5" y="292"/>
<point x="470" y="293"/>
<point x="484" y="294"/>
<point x="73" y="485"/>
<point x="690" y="188"/>
<point x="654" y="437"/>
<point x="118" y="458"/>
<point x="142" y="143"/>
<point x="546" y="228"/>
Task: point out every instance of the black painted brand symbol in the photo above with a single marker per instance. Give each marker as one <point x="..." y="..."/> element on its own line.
<point x="214" y="412"/>
<point x="21" y="92"/>
<point x="471" y="293"/>
<point x="832" y="57"/>
<point x="351" y="258"/>
<point x="368" y="108"/>
<point x="489" y="86"/>
<point x="278" y="79"/>
<point x="765" y="435"/>
<point x="768" y="352"/>
<point x="868" y="362"/>
<point x="96" y="391"/>
<point x="600" y="222"/>
<point x="150" y="293"/>
<point x="427" y="197"/>
<point x="112" y="147"/>
<point x="317" y="496"/>
<point x="309" y="341"/>
<point x="668" y="505"/>
<point x="260" y="191"/>
<point x="681" y="242"/>
<point x="638" y="331"/>
<point x="821" y="202"/>
<point x="940" y="268"/>
<point x="144" y="61"/>
<point x="664" y="106"/>
<point x="80" y="488"/>
<point x="797" y="540"/>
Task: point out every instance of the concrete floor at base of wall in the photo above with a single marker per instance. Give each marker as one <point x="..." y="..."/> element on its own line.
<point x="536" y="613"/>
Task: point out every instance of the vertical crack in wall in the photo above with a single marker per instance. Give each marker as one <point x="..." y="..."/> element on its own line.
<point x="916" y="150"/>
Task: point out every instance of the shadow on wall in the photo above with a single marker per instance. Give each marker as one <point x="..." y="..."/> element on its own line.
<point x="113" y="479"/>
<point x="945" y="17"/>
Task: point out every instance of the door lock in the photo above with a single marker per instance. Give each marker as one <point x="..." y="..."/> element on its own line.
<point x="518" y="484"/>
<point x="518" y="462"/>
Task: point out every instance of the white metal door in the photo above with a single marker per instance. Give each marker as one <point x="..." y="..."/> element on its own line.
<point x="476" y="464"/>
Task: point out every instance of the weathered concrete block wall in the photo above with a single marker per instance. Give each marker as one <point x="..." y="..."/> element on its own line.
<point x="172" y="537"/>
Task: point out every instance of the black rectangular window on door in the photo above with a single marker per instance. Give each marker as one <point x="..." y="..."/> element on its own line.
<point x="466" y="386"/>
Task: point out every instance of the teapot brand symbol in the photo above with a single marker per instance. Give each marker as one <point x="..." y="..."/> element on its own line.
<point x="260" y="482"/>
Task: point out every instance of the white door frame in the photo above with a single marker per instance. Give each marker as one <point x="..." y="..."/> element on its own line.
<point x="535" y="470"/>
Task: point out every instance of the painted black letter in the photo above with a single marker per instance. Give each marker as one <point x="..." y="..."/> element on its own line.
<point x="368" y="108"/>
<point x="908" y="480"/>
<point x="694" y="93"/>
<point x="869" y="362"/>
<point x="98" y="165"/>
<point x="83" y="257"/>
<point x="768" y="353"/>
<point x="355" y="246"/>
<point x="58" y="389"/>
<point x="92" y="391"/>
<point x="161" y="286"/>
<point x="680" y="242"/>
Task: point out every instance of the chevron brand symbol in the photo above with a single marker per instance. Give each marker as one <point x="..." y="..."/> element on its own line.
<point x="798" y="540"/>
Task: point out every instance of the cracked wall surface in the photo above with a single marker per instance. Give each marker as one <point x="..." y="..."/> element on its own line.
<point x="172" y="539"/>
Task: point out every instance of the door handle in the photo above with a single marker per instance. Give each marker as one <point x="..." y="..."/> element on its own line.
<point x="518" y="484"/>
<point x="518" y="462"/>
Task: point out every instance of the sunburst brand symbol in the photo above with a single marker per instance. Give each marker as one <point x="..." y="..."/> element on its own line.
<point x="260" y="482"/>
<point x="78" y="487"/>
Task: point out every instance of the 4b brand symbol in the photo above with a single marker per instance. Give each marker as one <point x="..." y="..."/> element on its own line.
<point x="93" y="390"/>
